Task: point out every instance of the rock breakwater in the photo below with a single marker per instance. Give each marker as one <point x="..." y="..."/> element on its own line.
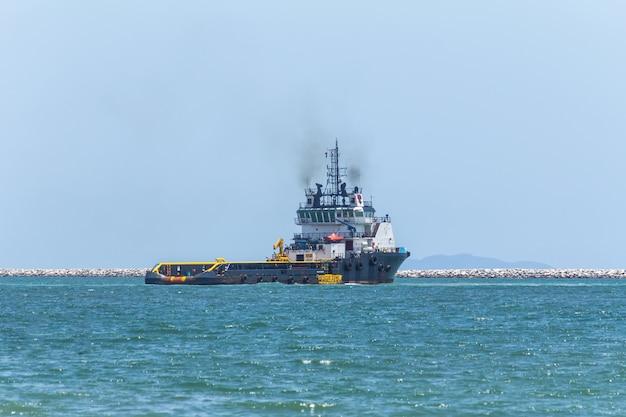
<point x="513" y="273"/>
<point x="75" y="272"/>
<point x="427" y="273"/>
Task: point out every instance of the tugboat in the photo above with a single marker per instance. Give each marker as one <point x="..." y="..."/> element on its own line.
<point x="342" y="241"/>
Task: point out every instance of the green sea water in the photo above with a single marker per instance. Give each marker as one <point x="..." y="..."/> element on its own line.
<point x="117" y="347"/>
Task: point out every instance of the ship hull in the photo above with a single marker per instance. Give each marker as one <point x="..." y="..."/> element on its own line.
<point x="366" y="268"/>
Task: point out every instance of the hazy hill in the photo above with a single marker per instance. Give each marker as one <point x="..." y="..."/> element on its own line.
<point x="467" y="261"/>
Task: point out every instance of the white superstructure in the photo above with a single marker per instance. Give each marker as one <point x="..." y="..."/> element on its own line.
<point x="337" y="223"/>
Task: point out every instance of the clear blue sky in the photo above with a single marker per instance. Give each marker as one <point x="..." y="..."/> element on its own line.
<point x="133" y="132"/>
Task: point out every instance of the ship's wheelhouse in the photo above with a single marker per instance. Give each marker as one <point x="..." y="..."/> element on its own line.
<point x="335" y="222"/>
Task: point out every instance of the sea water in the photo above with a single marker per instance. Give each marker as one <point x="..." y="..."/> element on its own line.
<point x="117" y="347"/>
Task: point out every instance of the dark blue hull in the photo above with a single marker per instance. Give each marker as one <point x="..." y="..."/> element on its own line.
<point x="367" y="268"/>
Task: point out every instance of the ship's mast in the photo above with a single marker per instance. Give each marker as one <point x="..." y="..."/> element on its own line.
<point x="332" y="173"/>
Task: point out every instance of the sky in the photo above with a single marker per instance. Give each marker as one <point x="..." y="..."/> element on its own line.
<point x="134" y="132"/>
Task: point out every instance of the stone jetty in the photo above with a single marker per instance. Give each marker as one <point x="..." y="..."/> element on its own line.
<point x="513" y="273"/>
<point x="81" y="272"/>
<point x="426" y="273"/>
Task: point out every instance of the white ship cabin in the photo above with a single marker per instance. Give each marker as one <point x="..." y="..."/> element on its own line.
<point x="339" y="225"/>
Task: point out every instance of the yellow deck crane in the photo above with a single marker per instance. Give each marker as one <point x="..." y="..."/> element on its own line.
<point x="280" y="245"/>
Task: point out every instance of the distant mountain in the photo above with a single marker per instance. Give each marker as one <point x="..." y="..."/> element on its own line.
<point x="467" y="261"/>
